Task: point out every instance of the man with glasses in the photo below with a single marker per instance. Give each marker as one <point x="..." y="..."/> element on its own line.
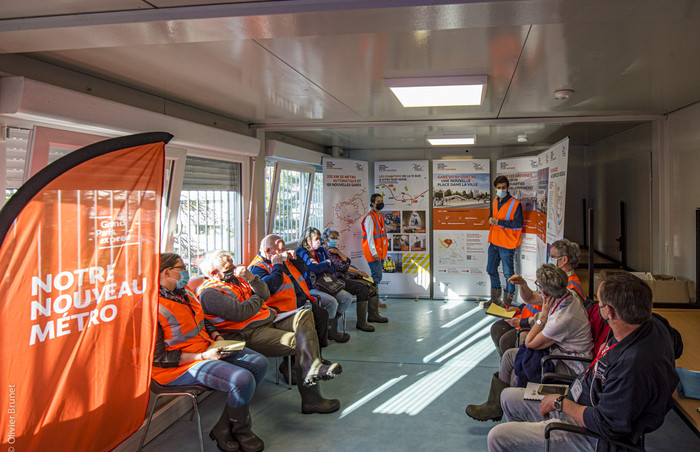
<point x="625" y="392"/>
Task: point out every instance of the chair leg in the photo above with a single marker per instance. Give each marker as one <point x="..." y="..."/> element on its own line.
<point x="277" y="372"/>
<point x="199" y="421"/>
<point x="148" y="424"/>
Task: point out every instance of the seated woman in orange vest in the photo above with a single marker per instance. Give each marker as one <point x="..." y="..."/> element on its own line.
<point x="234" y="300"/>
<point x="182" y="357"/>
<point x="565" y="255"/>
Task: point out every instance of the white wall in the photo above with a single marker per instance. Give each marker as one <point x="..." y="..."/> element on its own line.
<point x="620" y="170"/>
<point x="680" y="196"/>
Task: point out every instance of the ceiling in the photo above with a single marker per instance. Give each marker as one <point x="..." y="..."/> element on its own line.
<point x="314" y="70"/>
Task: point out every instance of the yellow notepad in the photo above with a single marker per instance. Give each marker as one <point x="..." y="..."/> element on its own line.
<point x="498" y="311"/>
<point x="228" y="346"/>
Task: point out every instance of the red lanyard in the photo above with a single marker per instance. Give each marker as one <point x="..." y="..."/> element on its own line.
<point x="604" y="351"/>
<point x="560" y="302"/>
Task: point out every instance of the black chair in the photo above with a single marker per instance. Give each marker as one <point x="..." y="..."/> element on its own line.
<point x="553" y="377"/>
<point x="552" y="426"/>
<point x="190" y="391"/>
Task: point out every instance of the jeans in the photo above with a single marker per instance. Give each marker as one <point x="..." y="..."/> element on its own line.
<point x="238" y="374"/>
<point x="496" y="255"/>
<point x="334" y="304"/>
<point x="524" y="431"/>
<point x="376" y="269"/>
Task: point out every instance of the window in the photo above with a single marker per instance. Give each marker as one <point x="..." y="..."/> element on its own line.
<point x="210" y="214"/>
<point x="16" y="144"/>
<point x="294" y="199"/>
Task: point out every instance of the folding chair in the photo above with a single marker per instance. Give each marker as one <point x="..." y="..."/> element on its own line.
<point x="190" y="391"/>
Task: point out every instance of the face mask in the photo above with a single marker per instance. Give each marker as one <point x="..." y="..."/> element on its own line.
<point x="333" y="243"/>
<point x="184" y="279"/>
<point x="379" y="206"/>
<point x="227" y="276"/>
<point x="553" y="261"/>
<point x="501" y="193"/>
<point x="283" y="256"/>
<point x="315" y="244"/>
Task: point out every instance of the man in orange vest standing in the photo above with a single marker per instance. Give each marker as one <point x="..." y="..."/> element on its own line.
<point x="375" y="244"/>
<point x="506" y="225"/>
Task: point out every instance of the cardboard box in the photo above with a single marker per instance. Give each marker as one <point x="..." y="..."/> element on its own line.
<point x="664" y="288"/>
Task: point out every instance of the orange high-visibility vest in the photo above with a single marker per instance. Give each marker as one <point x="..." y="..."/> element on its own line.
<point x="575" y="285"/>
<point x="285" y="299"/>
<point x="381" y="242"/>
<point x="500" y="235"/>
<point x="183" y="329"/>
<point x="242" y="292"/>
<point x="529" y="311"/>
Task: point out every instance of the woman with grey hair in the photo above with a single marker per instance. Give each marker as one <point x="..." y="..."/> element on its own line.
<point x="562" y="328"/>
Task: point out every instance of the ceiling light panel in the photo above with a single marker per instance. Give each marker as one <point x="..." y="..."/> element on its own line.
<point x="438" y="91"/>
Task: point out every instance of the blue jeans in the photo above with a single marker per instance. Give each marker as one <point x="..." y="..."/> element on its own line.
<point x="238" y="374"/>
<point x="497" y="255"/>
<point x="376" y="269"/>
<point x="334" y="304"/>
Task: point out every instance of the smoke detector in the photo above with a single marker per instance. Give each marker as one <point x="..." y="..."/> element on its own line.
<point x="562" y="94"/>
<point x="522" y="138"/>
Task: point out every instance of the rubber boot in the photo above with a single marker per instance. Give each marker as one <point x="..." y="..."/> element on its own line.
<point x="508" y="298"/>
<point x="309" y="359"/>
<point x="242" y="429"/>
<point x="491" y="409"/>
<point x="373" y="311"/>
<point x="361" y="307"/>
<point x="283" y="370"/>
<point x="334" y="334"/>
<point x="311" y="399"/>
<point x="495" y="298"/>
<point x="221" y="433"/>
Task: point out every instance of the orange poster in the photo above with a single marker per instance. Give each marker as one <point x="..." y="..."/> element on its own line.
<point x="78" y="297"/>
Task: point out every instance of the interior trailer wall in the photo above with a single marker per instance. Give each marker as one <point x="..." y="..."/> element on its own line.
<point x="680" y="195"/>
<point x="620" y="170"/>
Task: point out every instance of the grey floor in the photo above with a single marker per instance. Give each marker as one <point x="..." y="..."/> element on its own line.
<point x="403" y="387"/>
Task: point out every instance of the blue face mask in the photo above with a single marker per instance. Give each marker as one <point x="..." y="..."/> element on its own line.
<point x="553" y="261"/>
<point x="184" y="279"/>
<point x="501" y="193"/>
<point x="333" y="243"/>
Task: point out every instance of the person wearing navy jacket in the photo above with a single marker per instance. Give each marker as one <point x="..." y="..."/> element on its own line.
<point x="626" y="391"/>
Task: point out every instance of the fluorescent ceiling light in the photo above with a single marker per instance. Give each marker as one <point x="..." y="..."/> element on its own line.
<point x="451" y="140"/>
<point x="438" y="91"/>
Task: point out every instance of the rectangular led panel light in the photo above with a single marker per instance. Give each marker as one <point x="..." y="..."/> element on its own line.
<point x="438" y="91"/>
<point x="447" y="140"/>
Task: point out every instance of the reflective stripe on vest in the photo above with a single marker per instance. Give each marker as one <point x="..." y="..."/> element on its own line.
<point x="500" y="235"/>
<point x="381" y="242"/>
<point x="241" y="292"/>
<point x="285" y="299"/>
<point x="575" y="285"/>
<point x="183" y="329"/>
<point x="529" y="311"/>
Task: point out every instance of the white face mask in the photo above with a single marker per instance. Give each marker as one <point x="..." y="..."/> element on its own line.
<point x="501" y="193"/>
<point x="553" y="261"/>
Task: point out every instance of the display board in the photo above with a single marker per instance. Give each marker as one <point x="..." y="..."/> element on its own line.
<point x="345" y="203"/>
<point x="461" y="200"/>
<point x="404" y="187"/>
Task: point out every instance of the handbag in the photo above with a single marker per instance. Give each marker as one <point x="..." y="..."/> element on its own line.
<point x="328" y="283"/>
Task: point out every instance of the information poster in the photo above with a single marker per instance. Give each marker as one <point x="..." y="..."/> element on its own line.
<point x="556" y="159"/>
<point x="404" y="188"/>
<point x="461" y="200"/>
<point x="345" y="203"/>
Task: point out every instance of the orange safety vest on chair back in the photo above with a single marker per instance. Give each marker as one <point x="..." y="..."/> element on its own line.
<point x="285" y="299"/>
<point x="242" y="292"/>
<point x="502" y="236"/>
<point x="381" y="242"/>
<point x="183" y="329"/>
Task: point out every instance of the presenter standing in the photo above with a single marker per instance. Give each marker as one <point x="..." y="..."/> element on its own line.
<point x="374" y="241"/>
<point x="506" y="224"/>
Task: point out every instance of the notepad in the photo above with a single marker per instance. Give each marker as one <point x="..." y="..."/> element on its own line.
<point x="690" y="383"/>
<point x="498" y="311"/>
<point x="228" y="346"/>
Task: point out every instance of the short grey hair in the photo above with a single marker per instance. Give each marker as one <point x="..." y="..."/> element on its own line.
<point x="327" y="233"/>
<point x="629" y="296"/>
<point x="552" y="280"/>
<point x="569" y="249"/>
<point x="213" y="260"/>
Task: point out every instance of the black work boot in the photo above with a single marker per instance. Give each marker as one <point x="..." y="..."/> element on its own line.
<point x="308" y="356"/>
<point x="334" y="334"/>
<point x="242" y="429"/>
<point x="221" y="433"/>
<point x="361" y="307"/>
<point x="311" y="399"/>
<point x="373" y="311"/>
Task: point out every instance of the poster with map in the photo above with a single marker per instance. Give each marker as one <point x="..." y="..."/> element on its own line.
<point x="345" y="203"/>
<point x="557" y="160"/>
<point x="404" y="187"/>
<point x="461" y="199"/>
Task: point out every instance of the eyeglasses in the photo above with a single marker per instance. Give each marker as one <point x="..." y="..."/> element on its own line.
<point x="181" y="267"/>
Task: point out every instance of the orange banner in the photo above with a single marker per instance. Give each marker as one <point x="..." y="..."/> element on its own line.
<point x="461" y="219"/>
<point x="78" y="297"/>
